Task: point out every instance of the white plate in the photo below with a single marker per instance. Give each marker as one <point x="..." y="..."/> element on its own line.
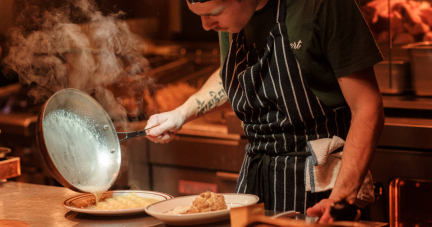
<point x="80" y="202"/>
<point x="159" y="209"/>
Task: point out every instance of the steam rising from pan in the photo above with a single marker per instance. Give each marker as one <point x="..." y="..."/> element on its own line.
<point x="74" y="45"/>
<point x="50" y="51"/>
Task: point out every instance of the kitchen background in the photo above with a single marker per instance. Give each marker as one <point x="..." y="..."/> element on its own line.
<point x="207" y="153"/>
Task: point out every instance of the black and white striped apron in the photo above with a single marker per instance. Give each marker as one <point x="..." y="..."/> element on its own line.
<point x="280" y="113"/>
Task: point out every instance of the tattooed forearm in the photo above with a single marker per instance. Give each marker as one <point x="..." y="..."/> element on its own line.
<point x="215" y="98"/>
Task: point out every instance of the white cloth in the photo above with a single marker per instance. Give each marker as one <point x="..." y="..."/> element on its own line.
<point x="322" y="168"/>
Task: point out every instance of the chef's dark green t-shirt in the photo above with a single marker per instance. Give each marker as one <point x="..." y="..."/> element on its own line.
<point x="329" y="38"/>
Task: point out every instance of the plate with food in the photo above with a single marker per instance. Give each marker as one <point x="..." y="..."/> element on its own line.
<point x="115" y="202"/>
<point x="205" y="208"/>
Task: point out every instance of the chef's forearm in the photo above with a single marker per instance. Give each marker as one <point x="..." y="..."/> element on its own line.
<point x="211" y="95"/>
<point x="366" y="127"/>
<point x="362" y="94"/>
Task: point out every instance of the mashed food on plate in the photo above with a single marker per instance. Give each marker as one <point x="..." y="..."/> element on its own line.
<point x="128" y="201"/>
<point x="205" y="202"/>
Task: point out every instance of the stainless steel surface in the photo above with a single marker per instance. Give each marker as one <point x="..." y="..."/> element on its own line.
<point x="410" y="202"/>
<point x="389" y="164"/>
<point x="179" y="181"/>
<point x="41" y="206"/>
<point x="18" y="124"/>
<point x="78" y="142"/>
<point x="15" y="124"/>
<point x="139" y="164"/>
<point x="407" y="102"/>
<point x="191" y="164"/>
<point x="392" y="78"/>
<point x="408" y="133"/>
<point x="421" y="68"/>
<point x="193" y="70"/>
<point x="200" y="152"/>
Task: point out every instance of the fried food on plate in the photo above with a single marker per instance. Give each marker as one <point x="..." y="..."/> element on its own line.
<point x="208" y="201"/>
<point x="205" y="202"/>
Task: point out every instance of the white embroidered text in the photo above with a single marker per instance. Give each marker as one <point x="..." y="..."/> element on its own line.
<point x="296" y="45"/>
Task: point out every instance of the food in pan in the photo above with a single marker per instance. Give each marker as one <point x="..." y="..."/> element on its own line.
<point x="205" y="202"/>
<point x="128" y="201"/>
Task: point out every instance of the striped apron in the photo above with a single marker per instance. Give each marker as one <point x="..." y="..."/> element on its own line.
<point x="280" y="114"/>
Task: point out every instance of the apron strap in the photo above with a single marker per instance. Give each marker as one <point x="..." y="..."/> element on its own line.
<point x="281" y="11"/>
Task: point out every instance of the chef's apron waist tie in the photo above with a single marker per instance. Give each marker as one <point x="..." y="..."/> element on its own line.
<point x="258" y="173"/>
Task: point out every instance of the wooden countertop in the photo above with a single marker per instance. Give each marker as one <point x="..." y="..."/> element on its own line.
<point x="40" y="205"/>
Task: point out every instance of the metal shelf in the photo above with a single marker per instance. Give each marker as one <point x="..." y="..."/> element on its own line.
<point x="407" y="102"/>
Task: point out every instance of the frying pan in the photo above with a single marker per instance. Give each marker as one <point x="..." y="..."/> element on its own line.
<point x="78" y="141"/>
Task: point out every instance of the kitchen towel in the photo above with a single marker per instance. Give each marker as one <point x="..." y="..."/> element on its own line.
<point x="322" y="168"/>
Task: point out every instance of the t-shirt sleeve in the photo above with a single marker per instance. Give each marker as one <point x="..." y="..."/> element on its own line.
<point x="345" y="37"/>
<point x="224" y="44"/>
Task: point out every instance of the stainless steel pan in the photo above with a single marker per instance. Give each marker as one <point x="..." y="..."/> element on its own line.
<point x="78" y="141"/>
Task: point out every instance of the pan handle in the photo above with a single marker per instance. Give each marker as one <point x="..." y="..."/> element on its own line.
<point x="130" y="135"/>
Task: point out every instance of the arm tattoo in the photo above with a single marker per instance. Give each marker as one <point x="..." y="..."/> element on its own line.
<point x="204" y="106"/>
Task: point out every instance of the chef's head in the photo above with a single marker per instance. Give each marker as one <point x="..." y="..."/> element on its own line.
<point x="224" y="15"/>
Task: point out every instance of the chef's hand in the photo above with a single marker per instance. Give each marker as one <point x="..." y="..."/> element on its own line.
<point x="322" y="210"/>
<point x="167" y="124"/>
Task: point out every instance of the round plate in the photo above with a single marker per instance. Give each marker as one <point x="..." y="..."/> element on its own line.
<point x="81" y="202"/>
<point x="159" y="209"/>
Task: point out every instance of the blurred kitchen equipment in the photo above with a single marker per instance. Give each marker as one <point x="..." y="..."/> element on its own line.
<point x="393" y="78"/>
<point x="421" y="67"/>
<point x="3" y="152"/>
<point x="410" y="202"/>
<point x="78" y="141"/>
<point x="9" y="166"/>
<point x="144" y="27"/>
<point x="403" y="31"/>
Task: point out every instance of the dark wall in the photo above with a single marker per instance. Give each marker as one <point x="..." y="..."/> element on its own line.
<point x="191" y="24"/>
<point x="192" y="29"/>
<point x="141" y="9"/>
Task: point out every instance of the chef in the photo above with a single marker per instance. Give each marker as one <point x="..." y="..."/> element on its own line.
<point x="294" y="71"/>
